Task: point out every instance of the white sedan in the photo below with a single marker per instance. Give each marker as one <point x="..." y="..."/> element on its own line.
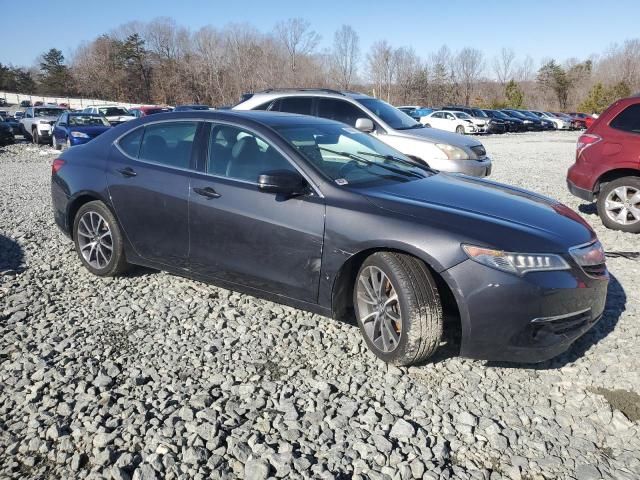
<point x="458" y="122"/>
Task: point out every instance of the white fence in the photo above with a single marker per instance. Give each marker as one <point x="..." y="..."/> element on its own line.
<point x="16" y="98"/>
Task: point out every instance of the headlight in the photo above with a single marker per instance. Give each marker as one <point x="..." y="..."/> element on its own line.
<point x="588" y="255"/>
<point x="79" y="135"/>
<point x="452" y="153"/>
<point x="527" y="121"/>
<point x="518" y="263"/>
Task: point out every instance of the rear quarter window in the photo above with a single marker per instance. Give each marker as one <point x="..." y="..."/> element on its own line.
<point x="130" y="143"/>
<point x="628" y="120"/>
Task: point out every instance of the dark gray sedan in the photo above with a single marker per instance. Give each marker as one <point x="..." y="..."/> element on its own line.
<point x="321" y="216"/>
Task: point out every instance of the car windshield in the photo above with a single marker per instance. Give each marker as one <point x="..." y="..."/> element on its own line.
<point x="48" y="112"/>
<point x="462" y="115"/>
<point x="517" y="115"/>
<point x="87" y="120"/>
<point x="113" y="111"/>
<point x="349" y="157"/>
<point x="390" y="115"/>
<point x="479" y="113"/>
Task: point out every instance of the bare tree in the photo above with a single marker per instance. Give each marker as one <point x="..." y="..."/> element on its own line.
<point x="469" y="66"/>
<point x="503" y="65"/>
<point x="298" y="39"/>
<point x="381" y="63"/>
<point x="345" y="55"/>
<point x="526" y="71"/>
<point x="408" y="73"/>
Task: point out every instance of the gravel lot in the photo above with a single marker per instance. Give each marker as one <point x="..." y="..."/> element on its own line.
<point x="152" y="376"/>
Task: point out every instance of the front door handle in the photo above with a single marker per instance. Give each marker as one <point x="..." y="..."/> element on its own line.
<point x="127" y="172"/>
<point x="207" y="192"/>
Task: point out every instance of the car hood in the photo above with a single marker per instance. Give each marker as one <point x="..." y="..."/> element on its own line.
<point x="48" y="118"/>
<point x="484" y="212"/>
<point x="435" y="135"/>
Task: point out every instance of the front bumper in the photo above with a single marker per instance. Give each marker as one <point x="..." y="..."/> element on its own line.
<point x="529" y="318"/>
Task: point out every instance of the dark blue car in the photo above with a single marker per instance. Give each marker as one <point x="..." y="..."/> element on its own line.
<point x="77" y="128"/>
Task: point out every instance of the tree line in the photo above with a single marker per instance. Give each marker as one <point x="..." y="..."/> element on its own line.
<point x="162" y="62"/>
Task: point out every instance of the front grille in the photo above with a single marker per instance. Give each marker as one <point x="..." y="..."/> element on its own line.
<point x="479" y="151"/>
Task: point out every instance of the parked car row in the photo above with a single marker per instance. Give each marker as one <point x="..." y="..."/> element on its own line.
<point x="59" y="126"/>
<point x="480" y="120"/>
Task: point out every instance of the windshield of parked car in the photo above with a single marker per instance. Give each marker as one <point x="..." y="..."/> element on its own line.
<point x="517" y="115"/>
<point x="390" y="115"/>
<point x="151" y="111"/>
<point x="87" y="120"/>
<point x="349" y="157"/>
<point x="113" y="111"/>
<point x="479" y="113"/>
<point x="48" y="112"/>
<point x="463" y="115"/>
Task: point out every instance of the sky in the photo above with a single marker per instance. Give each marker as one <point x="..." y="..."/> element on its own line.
<point x="539" y="28"/>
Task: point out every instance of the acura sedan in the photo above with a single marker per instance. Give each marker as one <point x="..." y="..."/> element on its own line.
<point x="318" y="215"/>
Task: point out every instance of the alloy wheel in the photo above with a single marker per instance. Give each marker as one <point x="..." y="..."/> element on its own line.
<point x="623" y="205"/>
<point x="95" y="240"/>
<point x="379" y="309"/>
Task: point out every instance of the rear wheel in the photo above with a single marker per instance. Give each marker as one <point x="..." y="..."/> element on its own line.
<point x="619" y="204"/>
<point x="398" y="308"/>
<point x="460" y="129"/>
<point x="98" y="240"/>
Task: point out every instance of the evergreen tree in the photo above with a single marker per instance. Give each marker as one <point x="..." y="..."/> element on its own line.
<point x="55" y="78"/>
<point x="514" y="95"/>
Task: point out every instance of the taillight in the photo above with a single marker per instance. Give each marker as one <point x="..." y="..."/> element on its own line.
<point x="57" y="165"/>
<point x="585" y="141"/>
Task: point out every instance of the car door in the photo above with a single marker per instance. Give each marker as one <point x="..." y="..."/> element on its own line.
<point x="248" y="237"/>
<point x="148" y="174"/>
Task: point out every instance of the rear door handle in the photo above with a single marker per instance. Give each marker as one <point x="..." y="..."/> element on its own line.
<point x="207" y="192"/>
<point x="127" y="172"/>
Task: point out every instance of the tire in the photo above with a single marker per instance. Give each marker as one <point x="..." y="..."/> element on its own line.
<point x="86" y="227"/>
<point x="35" y="138"/>
<point x="428" y="125"/>
<point x="460" y="129"/>
<point x="56" y="145"/>
<point x="418" y="307"/>
<point x="611" y="195"/>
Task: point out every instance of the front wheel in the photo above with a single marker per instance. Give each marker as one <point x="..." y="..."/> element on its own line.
<point x="619" y="204"/>
<point x="460" y="129"/>
<point x="98" y="240"/>
<point x="56" y="145"/>
<point x="398" y="308"/>
<point x="35" y="137"/>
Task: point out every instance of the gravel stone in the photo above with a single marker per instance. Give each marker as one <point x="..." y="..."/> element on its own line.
<point x="154" y="376"/>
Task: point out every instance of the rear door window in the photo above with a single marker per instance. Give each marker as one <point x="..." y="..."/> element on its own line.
<point x="628" y="120"/>
<point x="169" y="143"/>
<point x="301" y="105"/>
<point x="340" y="111"/>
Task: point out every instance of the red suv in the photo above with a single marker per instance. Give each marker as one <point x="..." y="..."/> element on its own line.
<point x="607" y="166"/>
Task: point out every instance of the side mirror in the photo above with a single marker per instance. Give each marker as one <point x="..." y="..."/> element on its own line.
<point x="364" y="125"/>
<point x="282" y="181"/>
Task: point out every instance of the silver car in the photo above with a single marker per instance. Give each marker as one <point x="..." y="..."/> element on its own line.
<point x="445" y="151"/>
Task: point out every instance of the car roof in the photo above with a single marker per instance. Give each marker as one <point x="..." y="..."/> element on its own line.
<point x="307" y="92"/>
<point x="268" y="118"/>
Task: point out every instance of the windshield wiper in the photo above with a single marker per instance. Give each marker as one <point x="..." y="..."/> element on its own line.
<point x="369" y="162"/>
<point x="400" y="160"/>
